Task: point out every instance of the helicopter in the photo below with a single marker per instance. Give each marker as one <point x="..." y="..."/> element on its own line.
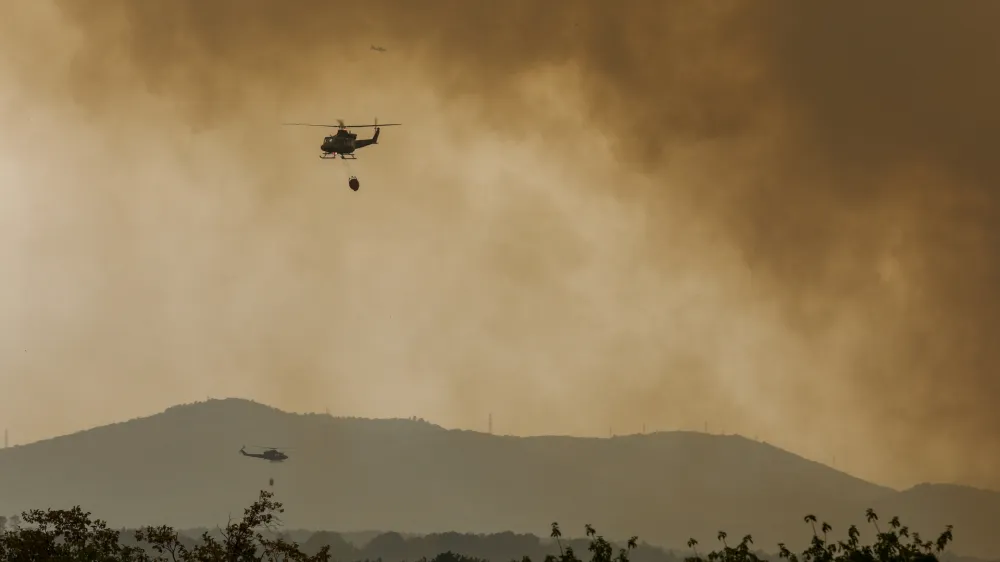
<point x="272" y="454"/>
<point x="344" y="142"/>
<point x="379" y="49"/>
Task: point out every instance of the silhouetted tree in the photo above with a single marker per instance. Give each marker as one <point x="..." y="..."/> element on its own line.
<point x="895" y="545"/>
<point x="557" y="535"/>
<point x="72" y="535"/>
<point x="65" y="535"/>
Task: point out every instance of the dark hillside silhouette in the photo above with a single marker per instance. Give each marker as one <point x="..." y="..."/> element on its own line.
<point x="182" y="468"/>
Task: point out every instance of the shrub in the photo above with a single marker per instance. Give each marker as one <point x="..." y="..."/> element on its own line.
<point x="897" y="544"/>
<point x="72" y="535"/>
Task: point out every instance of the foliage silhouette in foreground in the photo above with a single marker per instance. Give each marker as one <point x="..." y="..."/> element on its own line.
<point x="72" y="535"/>
<point x="897" y="544"/>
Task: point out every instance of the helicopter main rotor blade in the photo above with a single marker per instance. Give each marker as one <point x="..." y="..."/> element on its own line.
<point x="311" y="125"/>
<point x="340" y="126"/>
<point x="375" y="125"/>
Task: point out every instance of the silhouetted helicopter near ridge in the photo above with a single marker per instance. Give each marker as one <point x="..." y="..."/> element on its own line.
<point x="272" y="454"/>
<point x="344" y="142"/>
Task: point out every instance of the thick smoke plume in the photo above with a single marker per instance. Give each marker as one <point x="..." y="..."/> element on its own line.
<point x="777" y="217"/>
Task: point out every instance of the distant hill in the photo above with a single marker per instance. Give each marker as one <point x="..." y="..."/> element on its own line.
<point x="494" y="547"/>
<point x="182" y="468"/>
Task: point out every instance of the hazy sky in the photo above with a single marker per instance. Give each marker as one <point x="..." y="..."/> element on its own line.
<point x="776" y="218"/>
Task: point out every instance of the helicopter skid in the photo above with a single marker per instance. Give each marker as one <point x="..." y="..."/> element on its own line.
<point x="334" y="157"/>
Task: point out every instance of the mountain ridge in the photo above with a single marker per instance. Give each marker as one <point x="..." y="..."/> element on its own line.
<point x="181" y="467"/>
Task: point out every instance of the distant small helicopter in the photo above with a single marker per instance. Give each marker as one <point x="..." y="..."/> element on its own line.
<point x="379" y="49"/>
<point x="272" y="454"/>
<point x="344" y="142"/>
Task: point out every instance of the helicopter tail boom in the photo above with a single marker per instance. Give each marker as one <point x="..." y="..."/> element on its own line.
<point x="361" y="143"/>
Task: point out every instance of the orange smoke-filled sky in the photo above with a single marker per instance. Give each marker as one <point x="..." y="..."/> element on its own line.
<point x="777" y="218"/>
